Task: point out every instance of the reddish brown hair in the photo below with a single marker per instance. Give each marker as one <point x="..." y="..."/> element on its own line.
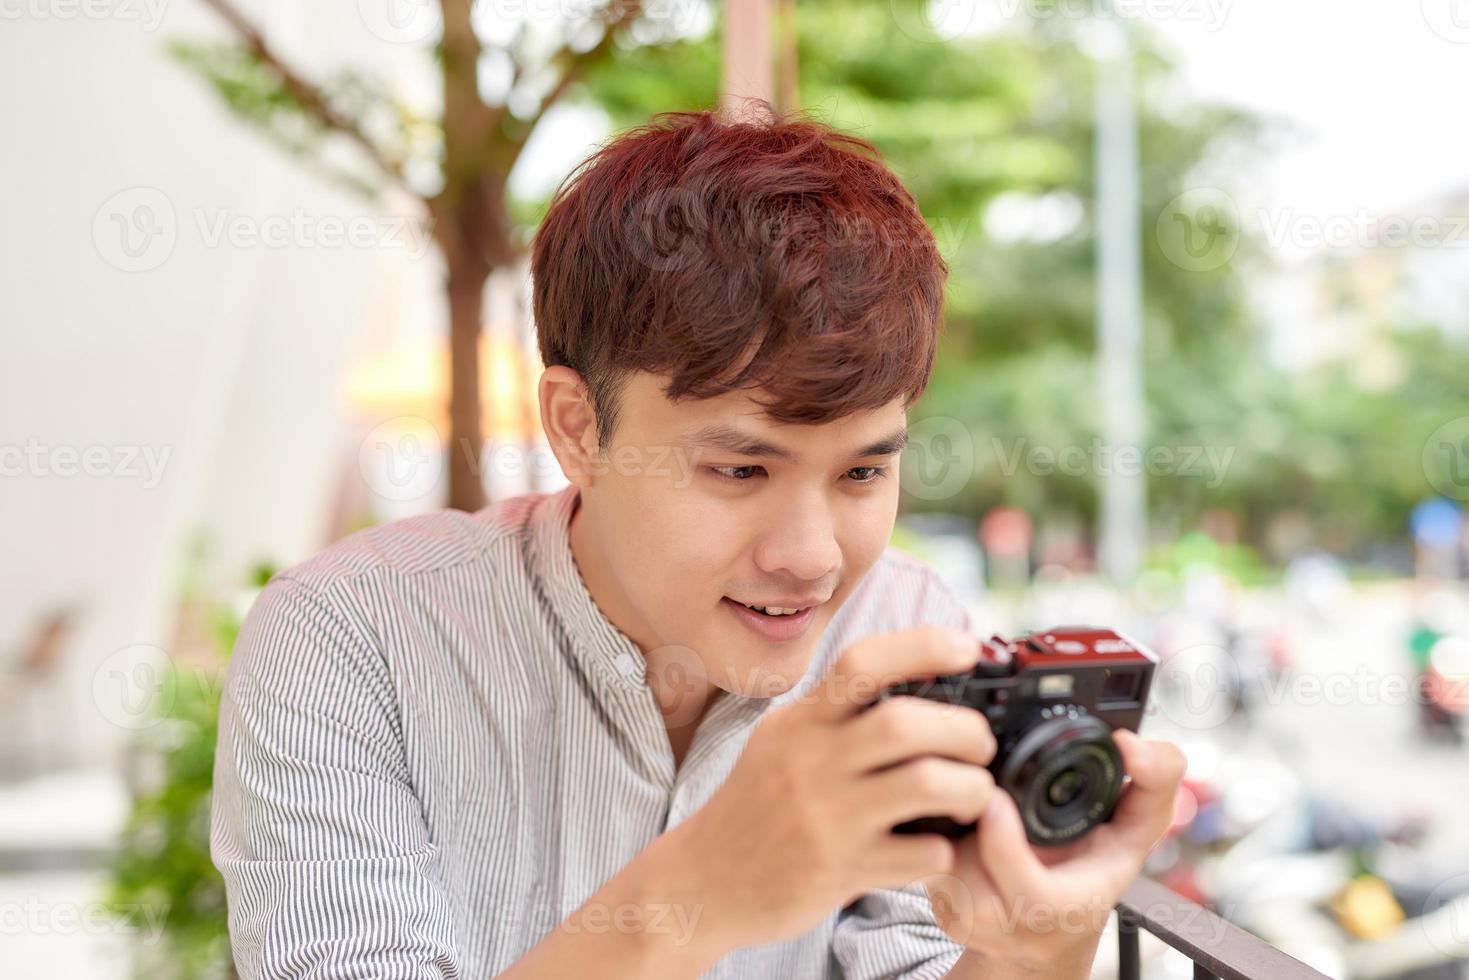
<point x="779" y="254"/>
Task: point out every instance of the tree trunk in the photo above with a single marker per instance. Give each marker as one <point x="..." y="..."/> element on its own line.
<point x="475" y="241"/>
<point x="466" y="285"/>
<point x="467" y="233"/>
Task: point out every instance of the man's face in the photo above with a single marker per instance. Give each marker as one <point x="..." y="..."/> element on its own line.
<point x="702" y="506"/>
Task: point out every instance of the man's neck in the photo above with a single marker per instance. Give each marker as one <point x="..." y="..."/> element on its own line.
<point x="602" y="586"/>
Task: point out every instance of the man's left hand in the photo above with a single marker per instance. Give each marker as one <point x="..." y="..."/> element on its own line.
<point x="1043" y="908"/>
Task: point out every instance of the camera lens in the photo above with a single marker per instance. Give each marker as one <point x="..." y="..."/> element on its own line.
<point x="1066" y="787"/>
<point x="1065" y="774"/>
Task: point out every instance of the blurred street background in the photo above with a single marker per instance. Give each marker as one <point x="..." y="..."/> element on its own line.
<point x="1204" y="377"/>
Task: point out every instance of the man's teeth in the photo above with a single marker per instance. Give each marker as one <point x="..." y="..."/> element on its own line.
<point x="772" y="610"/>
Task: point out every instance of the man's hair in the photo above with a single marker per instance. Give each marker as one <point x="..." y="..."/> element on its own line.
<point x="777" y="253"/>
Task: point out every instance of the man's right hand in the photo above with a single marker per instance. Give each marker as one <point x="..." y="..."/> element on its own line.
<point x="802" y="826"/>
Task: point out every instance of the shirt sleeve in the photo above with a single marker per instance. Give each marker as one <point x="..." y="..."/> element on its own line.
<point x="891" y="934"/>
<point x="315" y="826"/>
<point x="940" y="606"/>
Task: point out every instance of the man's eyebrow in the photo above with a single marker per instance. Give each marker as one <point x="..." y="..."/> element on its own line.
<point x="886" y="446"/>
<point x="726" y="437"/>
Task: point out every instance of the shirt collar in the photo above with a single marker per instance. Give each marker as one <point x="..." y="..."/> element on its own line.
<point x="604" y="648"/>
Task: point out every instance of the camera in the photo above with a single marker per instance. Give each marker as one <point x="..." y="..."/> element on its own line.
<point x="1053" y="699"/>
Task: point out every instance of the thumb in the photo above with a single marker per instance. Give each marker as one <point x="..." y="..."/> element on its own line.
<point x="1146" y="808"/>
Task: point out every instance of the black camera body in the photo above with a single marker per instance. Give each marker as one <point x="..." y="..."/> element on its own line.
<point x="1053" y="699"/>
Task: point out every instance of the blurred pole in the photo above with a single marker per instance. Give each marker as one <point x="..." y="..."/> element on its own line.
<point x="789" y="74"/>
<point x="749" y="63"/>
<point x="1119" y="308"/>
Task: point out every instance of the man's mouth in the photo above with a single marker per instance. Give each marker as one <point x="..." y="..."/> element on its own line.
<point x="773" y="610"/>
<point x="783" y="606"/>
<point x="773" y="622"/>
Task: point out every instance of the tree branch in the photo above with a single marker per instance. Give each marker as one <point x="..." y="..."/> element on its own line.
<point x="619" y="14"/>
<point x="311" y="99"/>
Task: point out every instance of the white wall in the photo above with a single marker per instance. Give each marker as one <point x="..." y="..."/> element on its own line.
<point x="224" y="357"/>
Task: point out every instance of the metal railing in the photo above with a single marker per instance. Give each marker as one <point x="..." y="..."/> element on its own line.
<point x="1219" y="949"/>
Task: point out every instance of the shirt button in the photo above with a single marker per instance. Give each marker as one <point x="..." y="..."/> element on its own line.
<point x="628" y="666"/>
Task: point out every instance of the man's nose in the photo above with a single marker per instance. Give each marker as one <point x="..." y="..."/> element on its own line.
<point x="800" y="539"/>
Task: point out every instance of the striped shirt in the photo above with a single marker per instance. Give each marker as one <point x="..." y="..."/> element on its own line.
<point x="434" y="747"/>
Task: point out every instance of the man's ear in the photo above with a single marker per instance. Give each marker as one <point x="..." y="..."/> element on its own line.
<point x="569" y="422"/>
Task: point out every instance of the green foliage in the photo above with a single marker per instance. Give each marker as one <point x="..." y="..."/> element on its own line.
<point x="1008" y="119"/>
<point x="1013" y="114"/>
<point x="163" y="858"/>
<point x="963" y="122"/>
<point x="162" y="862"/>
<point x="1238" y="562"/>
<point x="259" y="96"/>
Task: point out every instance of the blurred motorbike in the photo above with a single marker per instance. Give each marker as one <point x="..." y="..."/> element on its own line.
<point x="1354" y="897"/>
<point x="1438" y="645"/>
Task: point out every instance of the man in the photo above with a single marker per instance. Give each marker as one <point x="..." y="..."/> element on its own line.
<point x="617" y="731"/>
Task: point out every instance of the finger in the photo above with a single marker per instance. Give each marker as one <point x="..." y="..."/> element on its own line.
<point x="927" y="787"/>
<point x="880" y="661"/>
<point x="1146" y="809"/>
<point x="896" y="860"/>
<point x="903" y="727"/>
<point x="1083" y="885"/>
<point x="1005" y="852"/>
<point x="968" y="866"/>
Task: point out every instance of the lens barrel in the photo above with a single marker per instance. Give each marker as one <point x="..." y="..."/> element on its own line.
<point x="1065" y="774"/>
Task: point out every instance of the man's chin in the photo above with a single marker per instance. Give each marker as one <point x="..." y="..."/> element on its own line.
<point x="767" y="686"/>
<point x="765" y="680"/>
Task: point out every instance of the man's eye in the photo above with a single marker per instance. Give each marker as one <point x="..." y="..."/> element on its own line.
<point x="867" y="474"/>
<point x="737" y="473"/>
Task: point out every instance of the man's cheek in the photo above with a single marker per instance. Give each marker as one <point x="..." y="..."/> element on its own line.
<point x="867" y="537"/>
